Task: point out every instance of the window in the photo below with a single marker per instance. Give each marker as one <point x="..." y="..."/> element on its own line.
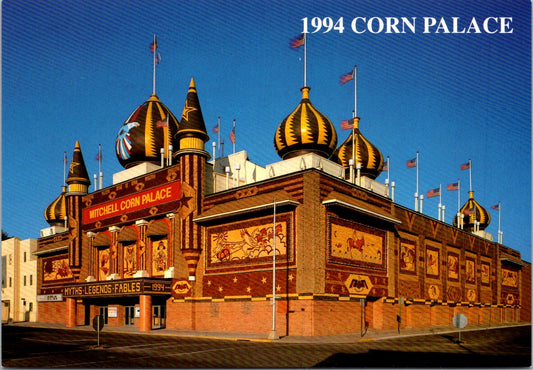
<point x="31" y="279"/>
<point x="10" y="283"/>
<point x="4" y="271"/>
<point x="24" y="280"/>
<point x="24" y="256"/>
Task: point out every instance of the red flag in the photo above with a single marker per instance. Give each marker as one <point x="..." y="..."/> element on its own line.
<point x="454" y="186"/>
<point x="496" y="207"/>
<point x="232" y="136"/>
<point x="465" y="166"/>
<point x="411" y="163"/>
<point x="347" y="124"/>
<point x="433" y="193"/>
<point x="297" y="41"/>
<point x="216" y="128"/>
<point x="153" y="45"/>
<point x="163" y="123"/>
<point x="469" y="211"/>
<point x="346" y="77"/>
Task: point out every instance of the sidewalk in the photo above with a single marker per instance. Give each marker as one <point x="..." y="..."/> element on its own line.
<point x="371" y="334"/>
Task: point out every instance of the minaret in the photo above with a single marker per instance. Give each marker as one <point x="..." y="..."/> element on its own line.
<point x="78" y="184"/>
<point x="192" y="158"/>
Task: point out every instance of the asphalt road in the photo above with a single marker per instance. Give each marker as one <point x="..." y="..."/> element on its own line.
<point x="51" y="348"/>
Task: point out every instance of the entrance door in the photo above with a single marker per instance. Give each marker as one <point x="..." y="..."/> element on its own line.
<point x="104" y="312"/>
<point x="129" y="316"/>
<point x="158" y="317"/>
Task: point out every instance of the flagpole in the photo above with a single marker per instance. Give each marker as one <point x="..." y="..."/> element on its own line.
<point x="153" y="78"/>
<point x="355" y="89"/>
<point x="64" y="166"/>
<point x="470" y="171"/>
<point x="440" y="202"/>
<point x="219" y="146"/>
<point x="416" y="193"/>
<point x="100" y="174"/>
<point x="233" y="136"/>
<point x="305" y="59"/>
<point x="388" y="170"/>
<point x="458" y="195"/>
<point x="273" y="334"/>
<point x="353" y="137"/>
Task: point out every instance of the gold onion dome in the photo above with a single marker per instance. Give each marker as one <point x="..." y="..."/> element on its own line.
<point x="145" y="132"/>
<point x="366" y="153"/>
<point x="56" y="211"/>
<point x="305" y="130"/>
<point x="472" y="212"/>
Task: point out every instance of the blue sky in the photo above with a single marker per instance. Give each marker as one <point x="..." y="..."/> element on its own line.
<point x="75" y="70"/>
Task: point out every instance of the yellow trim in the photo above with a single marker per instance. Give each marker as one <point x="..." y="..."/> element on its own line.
<point x="191" y="143"/>
<point x="77" y="188"/>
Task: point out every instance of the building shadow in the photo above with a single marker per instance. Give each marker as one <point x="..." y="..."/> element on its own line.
<point x="398" y="359"/>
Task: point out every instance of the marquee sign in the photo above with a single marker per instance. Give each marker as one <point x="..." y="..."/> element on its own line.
<point x="129" y="287"/>
<point x="141" y="200"/>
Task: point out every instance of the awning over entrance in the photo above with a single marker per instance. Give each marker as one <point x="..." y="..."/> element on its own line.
<point x="118" y="288"/>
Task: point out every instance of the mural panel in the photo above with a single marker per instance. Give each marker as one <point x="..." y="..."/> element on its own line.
<point x="485" y="273"/>
<point x="407" y="257"/>
<point x="470" y="271"/>
<point x="103" y="264"/>
<point x="249" y="243"/>
<point x="159" y="257"/>
<point x="509" y="278"/>
<point x="453" y="266"/>
<point x="56" y="268"/>
<point x="355" y="244"/>
<point x="130" y="260"/>
<point x="432" y="262"/>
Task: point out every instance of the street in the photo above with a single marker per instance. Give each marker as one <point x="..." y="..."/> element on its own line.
<point x="41" y="347"/>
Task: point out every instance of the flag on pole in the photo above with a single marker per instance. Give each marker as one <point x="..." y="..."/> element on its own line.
<point x="162" y="123"/>
<point x="297" y="41"/>
<point x="469" y="211"/>
<point x="346" y="77"/>
<point x="216" y="128"/>
<point x="465" y="166"/>
<point x="433" y="193"/>
<point x="99" y="156"/>
<point x="385" y="166"/>
<point x="347" y="124"/>
<point x="454" y="186"/>
<point x="65" y="158"/>
<point x="158" y="58"/>
<point x="232" y="135"/>
<point x="411" y="163"/>
<point x="153" y="45"/>
<point x="496" y="207"/>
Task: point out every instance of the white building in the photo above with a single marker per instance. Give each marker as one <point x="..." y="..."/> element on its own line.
<point x="19" y="280"/>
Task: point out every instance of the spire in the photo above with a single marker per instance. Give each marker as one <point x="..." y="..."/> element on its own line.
<point x="78" y="178"/>
<point x="191" y="132"/>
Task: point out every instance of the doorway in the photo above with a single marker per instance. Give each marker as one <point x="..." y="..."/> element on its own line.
<point x="158" y="317"/>
<point x="104" y="313"/>
<point x="129" y="316"/>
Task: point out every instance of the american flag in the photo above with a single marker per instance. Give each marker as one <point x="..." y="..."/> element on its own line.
<point x="411" y="163"/>
<point x="454" y="186"/>
<point x="297" y="41"/>
<point x="153" y="45"/>
<point x="433" y="193"/>
<point x="496" y="207"/>
<point x="465" y="166"/>
<point x="346" y="77"/>
<point x="232" y="135"/>
<point x="347" y="124"/>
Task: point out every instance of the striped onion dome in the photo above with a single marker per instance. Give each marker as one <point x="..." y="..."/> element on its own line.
<point x="366" y="153"/>
<point x="473" y="211"/>
<point x="145" y="132"/>
<point x="56" y="212"/>
<point x="305" y="130"/>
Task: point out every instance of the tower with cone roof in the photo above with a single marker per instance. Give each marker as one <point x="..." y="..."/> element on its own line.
<point x="191" y="137"/>
<point x="78" y="185"/>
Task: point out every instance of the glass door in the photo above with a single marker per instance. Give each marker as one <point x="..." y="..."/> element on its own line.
<point x="158" y="317"/>
<point x="129" y="317"/>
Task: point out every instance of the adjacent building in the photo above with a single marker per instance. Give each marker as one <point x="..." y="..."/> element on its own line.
<point x="19" y="280"/>
<point x="183" y="240"/>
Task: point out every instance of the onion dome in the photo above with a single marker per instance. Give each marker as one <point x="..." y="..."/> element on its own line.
<point x="56" y="212"/>
<point x="148" y="129"/>
<point x="472" y="212"/>
<point x="191" y="133"/>
<point x="78" y="180"/>
<point x="366" y="153"/>
<point x="305" y="130"/>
